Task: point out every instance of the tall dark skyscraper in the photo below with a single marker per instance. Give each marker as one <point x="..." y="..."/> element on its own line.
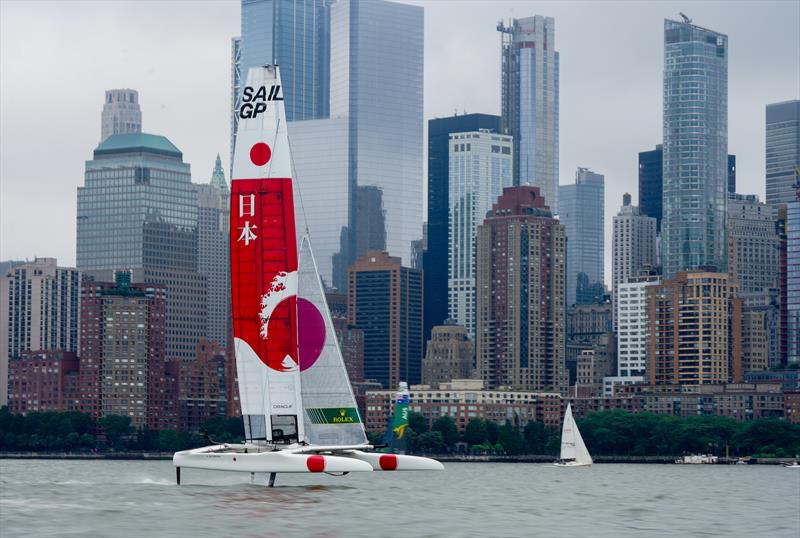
<point x="695" y="131"/>
<point x="435" y="257"/>
<point x="651" y="182"/>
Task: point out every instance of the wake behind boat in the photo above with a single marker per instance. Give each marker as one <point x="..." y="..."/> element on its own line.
<point x="573" y="450"/>
<point x="298" y="407"/>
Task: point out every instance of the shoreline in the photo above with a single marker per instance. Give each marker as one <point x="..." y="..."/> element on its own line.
<point x="445" y="458"/>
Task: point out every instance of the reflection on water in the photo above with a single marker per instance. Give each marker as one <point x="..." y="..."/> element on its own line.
<point x="45" y="498"/>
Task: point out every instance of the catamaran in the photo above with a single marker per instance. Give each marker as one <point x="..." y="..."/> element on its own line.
<point x="573" y="450"/>
<point x="299" y="412"/>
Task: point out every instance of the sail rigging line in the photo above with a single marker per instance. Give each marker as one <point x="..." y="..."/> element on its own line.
<point x="296" y="179"/>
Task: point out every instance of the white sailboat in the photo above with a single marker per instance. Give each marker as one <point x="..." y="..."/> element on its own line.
<point x="573" y="450"/>
<point x="299" y="412"/>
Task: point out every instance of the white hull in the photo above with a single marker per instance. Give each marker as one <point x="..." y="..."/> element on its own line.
<point x="233" y="458"/>
<point x="298" y="459"/>
<point x="571" y="464"/>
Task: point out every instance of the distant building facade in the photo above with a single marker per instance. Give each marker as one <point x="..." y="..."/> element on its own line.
<point x="384" y="300"/>
<point x="521" y="291"/>
<point x="633" y="327"/>
<point x="358" y="191"/>
<point x="694" y="327"/>
<point x="782" y="150"/>
<point x="350" y="337"/>
<point x="123" y="370"/>
<point x="450" y="355"/>
<point x="634" y="244"/>
<point x="530" y="101"/>
<point x="695" y="115"/>
<point x="202" y="387"/>
<point x="213" y="229"/>
<point x="144" y="178"/>
<point x="581" y="209"/>
<point x="38" y="312"/>
<point x="438" y="224"/>
<point x="480" y="168"/>
<point x="753" y="243"/>
<point x="41" y="381"/>
<point x="463" y="401"/>
<point x="121" y="113"/>
<point x="793" y="278"/>
<point x="651" y="182"/>
<point x="761" y="330"/>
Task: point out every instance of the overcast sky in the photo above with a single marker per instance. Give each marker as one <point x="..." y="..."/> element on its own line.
<point x="58" y="58"/>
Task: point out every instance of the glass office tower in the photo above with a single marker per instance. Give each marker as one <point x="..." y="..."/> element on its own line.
<point x="581" y="208"/>
<point x="530" y="101"/>
<point x="138" y="211"/>
<point x="782" y="151"/>
<point x="695" y="148"/>
<point x="377" y="83"/>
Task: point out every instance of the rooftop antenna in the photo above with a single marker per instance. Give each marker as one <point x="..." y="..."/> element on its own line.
<point x="685" y="18"/>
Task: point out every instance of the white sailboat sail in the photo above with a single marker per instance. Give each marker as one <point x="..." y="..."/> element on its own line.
<point x="572" y="446"/>
<point x="331" y="414"/>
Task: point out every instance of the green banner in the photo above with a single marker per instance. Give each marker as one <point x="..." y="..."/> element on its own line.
<point x="333" y="415"/>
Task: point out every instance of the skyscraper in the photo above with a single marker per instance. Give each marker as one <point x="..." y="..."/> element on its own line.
<point x="480" y="168"/>
<point x="434" y="264"/>
<point x="121" y="113"/>
<point x="369" y="196"/>
<point x="694" y="330"/>
<point x="695" y="147"/>
<point x="581" y="209"/>
<point x="38" y="312"/>
<point x="783" y="151"/>
<point x="294" y="34"/>
<point x="651" y="182"/>
<point x="630" y="316"/>
<point x="213" y="221"/>
<point x="753" y="244"/>
<point x="634" y="243"/>
<point x="138" y="211"/>
<point x="384" y="299"/>
<point x="530" y="74"/>
<point x="122" y="366"/>
<point x="521" y="316"/>
<point x="793" y="277"/>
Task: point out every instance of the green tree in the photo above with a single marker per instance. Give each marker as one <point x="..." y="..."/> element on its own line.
<point x="117" y="429"/>
<point x="492" y="431"/>
<point x="511" y="439"/>
<point x="475" y="432"/>
<point x="168" y="441"/>
<point x="417" y="422"/>
<point x="447" y="427"/>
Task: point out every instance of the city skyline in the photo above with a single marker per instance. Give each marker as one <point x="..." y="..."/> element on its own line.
<point x="197" y="101"/>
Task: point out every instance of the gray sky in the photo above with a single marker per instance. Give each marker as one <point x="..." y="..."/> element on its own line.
<point x="58" y="58"/>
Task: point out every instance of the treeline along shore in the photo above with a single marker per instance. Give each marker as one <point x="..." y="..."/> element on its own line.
<point x="612" y="436"/>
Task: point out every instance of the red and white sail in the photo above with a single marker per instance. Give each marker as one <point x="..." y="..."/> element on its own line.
<point x="264" y="264"/>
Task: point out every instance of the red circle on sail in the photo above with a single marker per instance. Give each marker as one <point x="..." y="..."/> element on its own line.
<point x="260" y="154"/>
<point x="316" y="463"/>
<point x="388" y="462"/>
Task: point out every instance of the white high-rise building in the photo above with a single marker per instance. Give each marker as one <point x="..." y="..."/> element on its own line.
<point x="480" y="167"/>
<point x="632" y="327"/>
<point x="121" y="113"/>
<point x="38" y="311"/>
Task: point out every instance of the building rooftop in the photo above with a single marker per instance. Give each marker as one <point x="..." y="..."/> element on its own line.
<point x="137" y="142"/>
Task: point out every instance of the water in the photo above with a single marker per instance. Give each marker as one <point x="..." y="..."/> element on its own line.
<point x="137" y="499"/>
